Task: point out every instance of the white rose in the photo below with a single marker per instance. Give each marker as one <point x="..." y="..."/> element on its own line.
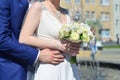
<point x="74" y="37"/>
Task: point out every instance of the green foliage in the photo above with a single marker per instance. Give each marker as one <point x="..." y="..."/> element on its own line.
<point x="73" y="59"/>
<point x="96" y="23"/>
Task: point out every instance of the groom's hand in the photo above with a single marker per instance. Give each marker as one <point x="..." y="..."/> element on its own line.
<point x="51" y="56"/>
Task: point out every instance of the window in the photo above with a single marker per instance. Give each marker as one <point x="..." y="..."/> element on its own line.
<point x="105" y="16"/>
<point x="92" y="1"/>
<point x="68" y="1"/>
<point x="87" y="1"/>
<point x="117" y="22"/>
<point x="77" y="1"/>
<point x="105" y="2"/>
<point x="92" y="15"/>
<point x="105" y="33"/>
<point x="116" y="7"/>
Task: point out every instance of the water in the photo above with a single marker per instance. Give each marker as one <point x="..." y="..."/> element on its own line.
<point x="88" y="72"/>
<point x="95" y="68"/>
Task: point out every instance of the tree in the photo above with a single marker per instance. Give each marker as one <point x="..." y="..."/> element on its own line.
<point x="98" y="26"/>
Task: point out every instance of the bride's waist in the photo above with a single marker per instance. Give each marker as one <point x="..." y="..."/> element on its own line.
<point x="45" y="36"/>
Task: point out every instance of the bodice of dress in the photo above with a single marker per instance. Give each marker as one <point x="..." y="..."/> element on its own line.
<point x="48" y="28"/>
<point x="49" y="25"/>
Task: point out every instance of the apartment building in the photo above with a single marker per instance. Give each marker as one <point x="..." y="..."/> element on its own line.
<point x="104" y="12"/>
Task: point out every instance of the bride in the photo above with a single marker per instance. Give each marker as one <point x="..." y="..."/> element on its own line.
<point x="40" y="29"/>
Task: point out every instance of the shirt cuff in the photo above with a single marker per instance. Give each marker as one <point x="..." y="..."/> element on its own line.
<point x="36" y="60"/>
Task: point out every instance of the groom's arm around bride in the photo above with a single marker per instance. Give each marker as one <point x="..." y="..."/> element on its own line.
<point x="14" y="57"/>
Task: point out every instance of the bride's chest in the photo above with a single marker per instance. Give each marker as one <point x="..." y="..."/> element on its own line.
<point x="49" y="26"/>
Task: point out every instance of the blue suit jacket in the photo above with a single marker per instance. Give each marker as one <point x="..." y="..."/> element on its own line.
<point x="14" y="56"/>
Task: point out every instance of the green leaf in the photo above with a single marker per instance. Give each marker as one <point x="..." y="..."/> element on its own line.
<point x="73" y="59"/>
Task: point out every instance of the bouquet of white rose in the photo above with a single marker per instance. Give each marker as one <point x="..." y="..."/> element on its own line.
<point x="75" y="33"/>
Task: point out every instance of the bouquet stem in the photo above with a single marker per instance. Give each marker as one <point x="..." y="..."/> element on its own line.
<point x="73" y="60"/>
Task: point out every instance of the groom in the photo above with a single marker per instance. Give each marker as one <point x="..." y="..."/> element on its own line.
<point x="14" y="57"/>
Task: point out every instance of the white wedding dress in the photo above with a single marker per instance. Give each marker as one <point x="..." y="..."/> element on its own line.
<point x="48" y="29"/>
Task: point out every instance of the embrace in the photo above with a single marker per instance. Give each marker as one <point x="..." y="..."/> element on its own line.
<point x="29" y="37"/>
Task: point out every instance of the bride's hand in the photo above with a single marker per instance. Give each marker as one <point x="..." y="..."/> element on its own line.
<point x="73" y="48"/>
<point x="68" y="47"/>
<point x="61" y="46"/>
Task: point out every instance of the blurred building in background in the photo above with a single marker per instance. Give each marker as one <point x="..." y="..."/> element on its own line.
<point x="104" y="15"/>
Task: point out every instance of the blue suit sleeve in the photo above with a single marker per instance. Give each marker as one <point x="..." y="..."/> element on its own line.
<point x="8" y="42"/>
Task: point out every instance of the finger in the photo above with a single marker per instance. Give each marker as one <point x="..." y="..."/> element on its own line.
<point x="55" y="63"/>
<point x="74" y="48"/>
<point x="58" y="60"/>
<point x="56" y="52"/>
<point x="59" y="56"/>
<point x="75" y="45"/>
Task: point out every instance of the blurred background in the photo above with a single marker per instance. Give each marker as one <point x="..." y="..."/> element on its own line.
<point x="104" y="16"/>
